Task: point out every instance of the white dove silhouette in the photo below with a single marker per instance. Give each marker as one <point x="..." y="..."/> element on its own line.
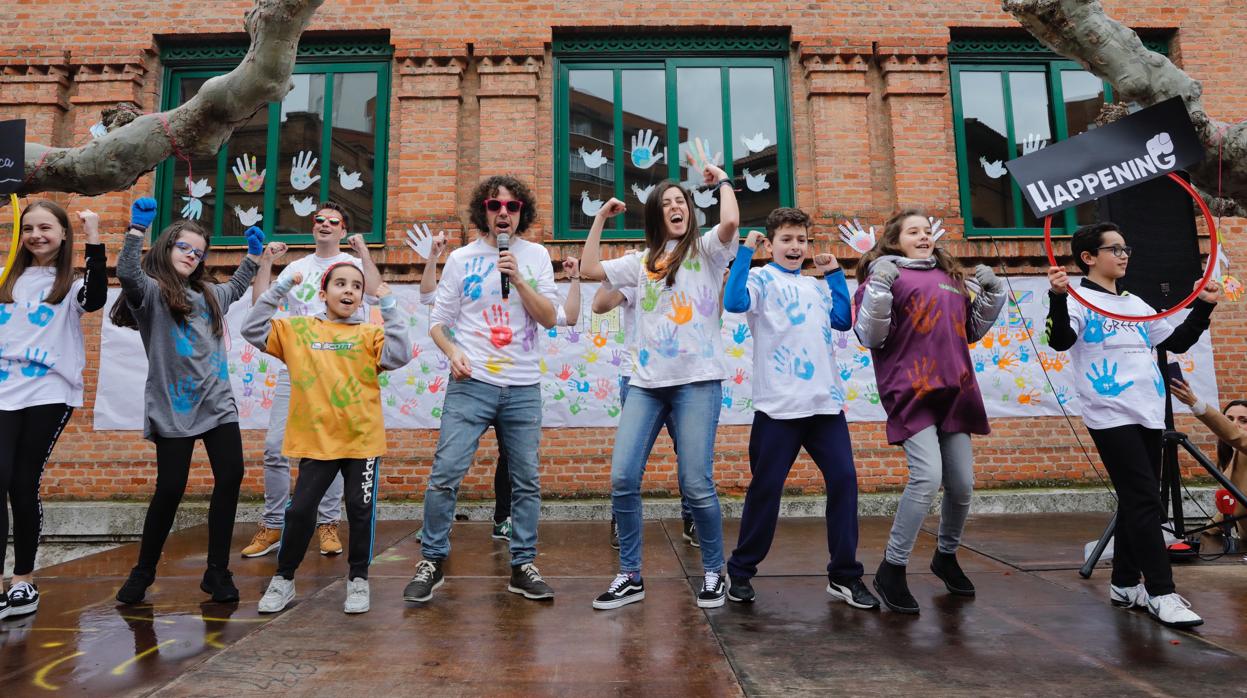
<point x="249" y="217"/>
<point x="304" y="206"/>
<point x="643" y="194"/>
<point x="756" y="144"/>
<point x="995" y="170"/>
<point x="592" y="160"/>
<point x="756" y="182"/>
<point x="590" y="207"/>
<point x="701" y="217"/>
<point x="704" y="199"/>
<point x="348" y="181"/>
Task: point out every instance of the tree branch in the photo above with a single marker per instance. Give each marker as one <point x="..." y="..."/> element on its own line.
<point x="199" y="127"/>
<point x="1081" y="31"/>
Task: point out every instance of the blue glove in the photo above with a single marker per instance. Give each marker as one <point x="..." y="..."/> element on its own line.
<point x="255" y="240"/>
<point x="143" y="212"/>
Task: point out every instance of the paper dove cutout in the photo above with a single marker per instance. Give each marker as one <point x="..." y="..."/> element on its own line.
<point x="756" y="144"/>
<point x="643" y="194"/>
<point x="349" y="181"/>
<point x="995" y="170"/>
<point x="590" y="207"/>
<point x="249" y="217"/>
<point x="704" y="199"/>
<point x="303" y="207"/>
<point x="756" y="182"/>
<point x="592" y="160"/>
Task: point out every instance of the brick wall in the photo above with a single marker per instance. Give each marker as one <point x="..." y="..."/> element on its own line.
<point x="472" y="95"/>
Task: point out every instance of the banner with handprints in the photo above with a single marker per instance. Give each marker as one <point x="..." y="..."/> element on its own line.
<point x="580" y="367"/>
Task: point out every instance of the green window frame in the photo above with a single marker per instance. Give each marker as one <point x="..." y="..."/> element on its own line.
<point x="331" y="65"/>
<point x="1010" y="58"/>
<point x="669" y="54"/>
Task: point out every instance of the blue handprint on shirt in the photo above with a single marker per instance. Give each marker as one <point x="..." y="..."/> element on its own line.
<point x="1104" y="379"/>
<point x="4" y="369"/>
<point x="802" y="367"/>
<point x="5" y="313"/>
<point x="41" y="315"/>
<point x="219" y="362"/>
<point x="668" y="346"/>
<point x="183" y="395"/>
<point x="741" y="333"/>
<point x="781" y="360"/>
<point x="837" y="394"/>
<point x="1158" y="381"/>
<point x="1144" y="334"/>
<point x="183" y="339"/>
<point x="845" y="371"/>
<point x="643" y="357"/>
<point x="473" y="282"/>
<point x="790" y="300"/>
<point x="36" y="366"/>
<point x="1094" y="333"/>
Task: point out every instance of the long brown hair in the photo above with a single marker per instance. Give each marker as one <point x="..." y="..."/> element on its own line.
<point x="25" y="259"/>
<point x="656" y="234"/>
<point x="156" y="264"/>
<point x="1225" y="452"/>
<point x="890" y="243"/>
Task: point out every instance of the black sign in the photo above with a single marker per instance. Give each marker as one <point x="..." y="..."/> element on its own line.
<point x="12" y="155"/>
<point x="1148" y="144"/>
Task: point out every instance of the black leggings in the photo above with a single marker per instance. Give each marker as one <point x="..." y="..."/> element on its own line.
<point x="360" y="480"/>
<point x="173" y="461"/>
<point x="27" y="437"/>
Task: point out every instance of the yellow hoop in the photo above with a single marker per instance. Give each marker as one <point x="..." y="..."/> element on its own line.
<point x="17" y="223"/>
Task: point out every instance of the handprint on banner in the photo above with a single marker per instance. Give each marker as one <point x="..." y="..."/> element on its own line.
<point x="727" y="397"/>
<point x="194" y="207"/>
<point x="741" y="333"/>
<point x="605" y="387"/>
<point x="249" y="180"/>
<point x="645" y="150"/>
<point x="303" y="207"/>
<point x="350" y="181"/>
<point x="592" y="160"/>
<point x="301" y="167"/>
<point x="857" y="237"/>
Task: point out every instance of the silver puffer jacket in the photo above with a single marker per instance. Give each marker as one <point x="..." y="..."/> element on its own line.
<point x="874" y="317"/>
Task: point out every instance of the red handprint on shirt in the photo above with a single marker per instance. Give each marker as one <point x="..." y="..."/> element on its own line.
<point x="499" y="326"/>
<point x="920" y="376"/>
<point x="923" y="314"/>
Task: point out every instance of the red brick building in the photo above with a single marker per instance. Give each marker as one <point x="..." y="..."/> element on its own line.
<point x="863" y="107"/>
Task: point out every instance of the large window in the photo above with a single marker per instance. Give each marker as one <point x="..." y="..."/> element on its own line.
<point x="325" y="140"/>
<point x="1009" y="99"/>
<point x="628" y="109"/>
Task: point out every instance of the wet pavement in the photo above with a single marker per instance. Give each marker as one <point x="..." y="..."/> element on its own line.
<point x="1035" y="628"/>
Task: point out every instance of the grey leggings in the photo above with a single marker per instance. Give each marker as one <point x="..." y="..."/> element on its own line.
<point x="933" y="456"/>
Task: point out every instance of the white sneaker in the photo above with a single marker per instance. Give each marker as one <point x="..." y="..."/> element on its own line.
<point x="1128" y="597"/>
<point x="279" y="594"/>
<point x="1174" y="611"/>
<point x="356" y="596"/>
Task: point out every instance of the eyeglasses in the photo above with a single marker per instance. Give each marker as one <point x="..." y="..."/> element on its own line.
<point x="495" y="205"/>
<point x="1119" y="251"/>
<point x="330" y="221"/>
<point x="190" y="249"/>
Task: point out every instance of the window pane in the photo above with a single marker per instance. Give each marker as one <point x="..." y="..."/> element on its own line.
<point x="353" y="170"/>
<point x="1032" y="126"/>
<point x="298" y="189"/>
<point x="197" y="201"/>
<point x="1084" y="97"/>
<point x="700" y="98"/>
<point x="591" y="160"/>
<point x="244" y="185"/>
<point x="755" y="150"/>
<point x="987" y="149"/>
<point x="645" y="137"/>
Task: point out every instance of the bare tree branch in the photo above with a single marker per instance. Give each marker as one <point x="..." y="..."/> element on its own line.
<point x="1081" y="31"/>
<point x="199" y="127"/>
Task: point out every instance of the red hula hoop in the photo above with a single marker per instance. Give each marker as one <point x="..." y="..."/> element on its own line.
<point x="1208" y="272"/>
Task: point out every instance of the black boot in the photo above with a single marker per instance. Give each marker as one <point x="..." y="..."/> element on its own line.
<point x="135" y="587"/>
<point x="893" y="591"/>
<point x="945" y="566"/>
<point x="219" y="582"/>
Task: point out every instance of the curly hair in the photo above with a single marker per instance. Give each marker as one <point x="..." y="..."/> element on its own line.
<point x="488" y="189"/>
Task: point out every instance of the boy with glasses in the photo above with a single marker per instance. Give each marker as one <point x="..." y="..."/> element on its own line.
<point x="1122" y="394"/>
<point x="329" y="228"/>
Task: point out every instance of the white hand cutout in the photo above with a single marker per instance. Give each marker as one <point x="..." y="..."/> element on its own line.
<point x="592" y="160"/>
<point x="756" y="144"/>
<point x="590" y="207"/>
<point x="698" y="162"/>
<point x="244" y="171"/>
<point x="937" y="228"/>
<point x="995" y="170"/>
<point x="303" y="207"/>
<point x="1033" y="142"/>
<point x="193" y="209"/>
<point x="249" y="217"/>
<point x="644" y="149"/>
<point x="756" y="182"/>
<point x="349" y="181"/>
<point x="420" y="240"/>
<point x="643" y="194"/>
<point x="301" y="167"/>
<point x="857" y="237"/>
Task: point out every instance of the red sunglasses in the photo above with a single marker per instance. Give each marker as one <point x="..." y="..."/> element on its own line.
<point x="495" y="205"/>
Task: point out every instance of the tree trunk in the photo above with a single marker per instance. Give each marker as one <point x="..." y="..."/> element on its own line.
<point x="1081" y="31"/>
<point x="116" y="160"/>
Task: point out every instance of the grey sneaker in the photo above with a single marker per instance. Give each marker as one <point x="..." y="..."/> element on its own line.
<point x="526" y="580"/>
<point x="356" y="596"/>
<point x="279" y="594"/>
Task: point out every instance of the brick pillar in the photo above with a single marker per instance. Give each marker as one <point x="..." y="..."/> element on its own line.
<point x="424" y="147"/>
<point x="35" y="87"/>
<point x="508" y="99"/>
<point x="916" y="95"/>
<point x="838" y="112"/>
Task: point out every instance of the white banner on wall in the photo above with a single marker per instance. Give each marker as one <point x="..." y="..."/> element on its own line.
<point x="580" y="369"/>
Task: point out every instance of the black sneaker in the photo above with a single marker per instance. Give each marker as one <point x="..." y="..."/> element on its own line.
<point x="526" y="580"/>
<point x="4" y="606"/>
<point x="219" y="582"/>
<point x="740" y="590"/>
<point x="427" y="578"/>
<point x="713" y="591"/>
<point x="23" y="599"/>
<point x="945" y="566"/>
<point x="135" y="587"/>
<point x="893" y="590"/>
<point x="690" y="533"/>
<point x="614" y="533"/>
<point x="852" y="592"/>
<point x="623" y="591"/>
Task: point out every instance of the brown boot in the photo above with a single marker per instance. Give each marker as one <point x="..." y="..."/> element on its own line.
<point x="329" y="542"/>
<point x="265" y="541"/>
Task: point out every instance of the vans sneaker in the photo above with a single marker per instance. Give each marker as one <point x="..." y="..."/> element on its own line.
<point x="624" y="590"/>
<point x="713" y="591"/>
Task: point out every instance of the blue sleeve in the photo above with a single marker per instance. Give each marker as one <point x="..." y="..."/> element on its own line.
<point x="736" y="293"/>
<point x="841" y="313"/>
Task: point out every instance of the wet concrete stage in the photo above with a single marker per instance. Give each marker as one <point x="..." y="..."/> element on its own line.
<point x="1035" y="627"/>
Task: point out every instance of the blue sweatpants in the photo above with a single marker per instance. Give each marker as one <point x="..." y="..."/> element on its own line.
<point x="773" y="448"/>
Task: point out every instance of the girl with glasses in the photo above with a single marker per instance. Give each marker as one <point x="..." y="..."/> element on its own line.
<point x="169" y="297"/>
<point x="41" y="362"/>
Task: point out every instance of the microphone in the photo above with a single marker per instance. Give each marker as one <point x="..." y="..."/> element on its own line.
<point x="504" y="244"/>
<point x="1225" y="502"/>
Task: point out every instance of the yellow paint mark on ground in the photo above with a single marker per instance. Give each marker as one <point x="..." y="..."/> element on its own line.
<point x="41" y="676"/>
<point x="48" y="645"/>
<point x="121" y="668"/>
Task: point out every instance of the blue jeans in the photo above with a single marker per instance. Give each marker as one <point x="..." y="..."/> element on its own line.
<point x="470" y="407"/>
<point x="686" y="512"/>
<point x="694" y="409"/>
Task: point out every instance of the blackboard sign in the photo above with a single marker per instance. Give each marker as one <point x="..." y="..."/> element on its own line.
<point x="12" y="154"/>
<point x="1148" y="144"/>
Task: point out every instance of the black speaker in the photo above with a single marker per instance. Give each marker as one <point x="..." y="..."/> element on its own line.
<point x="1157" y="218"/>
